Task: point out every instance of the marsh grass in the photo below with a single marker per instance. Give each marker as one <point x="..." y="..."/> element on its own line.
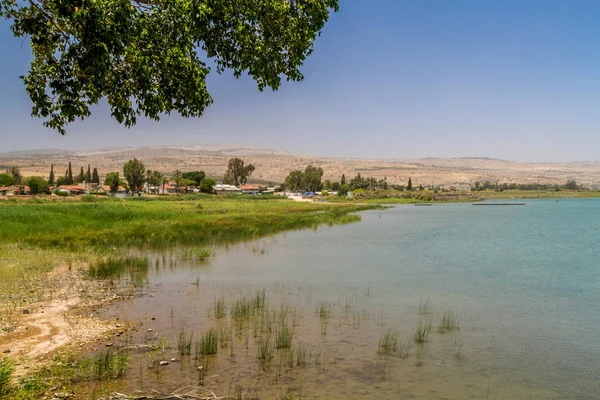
<point x="208" y="343"/>
<point x="283" y="337"/>
<point x="259" y="299"/>
<point x="422" y="333"/>
<point x="116" y="265"/>
<point x="265" y="350"/>
<point x="448" y="322"/>
<point x="219" y="310"/>
<point x="300" y="355"/>
<point x="404" y="348"/>
<point x="161" y="222"/>
<point x="421" y="354"/>
<point x="324" y="309"/>
<point x="184" y="344"/>
<point x="388" y="342"/>
<point x="425" y="307"/>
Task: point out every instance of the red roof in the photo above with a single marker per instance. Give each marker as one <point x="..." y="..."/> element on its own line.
<point x="249" y="187"/>
<point x="71" y="187"/>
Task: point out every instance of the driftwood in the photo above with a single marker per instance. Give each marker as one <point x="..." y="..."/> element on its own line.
<point x="185" y="393"/>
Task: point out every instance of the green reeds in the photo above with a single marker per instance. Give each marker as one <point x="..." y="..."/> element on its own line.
<point x="283" y="337"/>
<point x="388" y="342"/>
<point x="265" y="349"/>
<point x="448" y="322"/>
<point x="300" y="354"/>
<point x="116" y="265"/>
<point x="404" y="347"/>
<point x="324" y="309"/>
<point x="243" y="308"/>
<point x="425" y="307"/>
<point x="208" y="343"/>
<point x="219" y="308"/>
<point x="259" y="300"/>
<point x="184" y="344"/>
<point x="422" y="333"/>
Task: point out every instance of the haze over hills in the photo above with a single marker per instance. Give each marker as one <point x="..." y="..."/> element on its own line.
<point x="272" y="165"/>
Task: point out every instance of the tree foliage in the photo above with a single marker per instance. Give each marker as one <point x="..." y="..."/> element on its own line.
<point x="307" y="180"/>
<point x="6" y="180"/>
<point x="134" y="173"/>
<point x="15" y="172"/>
<point x="206" y="186"/>
<point x="196" y="176"/>
<point x="69" y="175"/>
<point x="237" y="172"/>
<point x="51" y="176"/>
<point x="95" y="177"/>
<point x="37" y="185"/>
<point x="88" y="175"/>
<point x="409" y="185"/>
<point x="112" y="179"/>
<point x="144" y="56"/>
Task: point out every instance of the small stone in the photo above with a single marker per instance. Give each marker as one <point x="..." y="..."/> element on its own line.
<point x="108" y="344"/>
<point x="163" y="363"/>
<point x="153" y="318"/>
<point x="61" y="395"/>
<point x="200" y="368"/>
<point x="149" y="329"/>
<point x="173" y="360"/>
<point x="6" y="351"/>
<point x="25" y="311"/>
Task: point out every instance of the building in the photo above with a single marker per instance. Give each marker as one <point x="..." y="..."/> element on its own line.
<point x="71" y="189"/>
<point x="250" y="189"/>
<point x="222" y="188"/>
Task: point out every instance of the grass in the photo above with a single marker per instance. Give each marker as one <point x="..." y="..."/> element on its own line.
<point x="422" y="333"/>
<point x="208" y="343"/>
<point x="116" y="265"/>
<point x="425" y="307"/>
<point x="388" y="342"/>
<point x="184" y="344"/>
<point x="300" y="354"/>
<point x="324" y="309"/>
<point x="283" y="337"/>
<point x="161" y="222"/>
<point x="448" y="322"/>
<point x="243" y="308"/>
<point x="219" y="308"/>
<point x="6" y="370"/>
<point x="265" y="349"/>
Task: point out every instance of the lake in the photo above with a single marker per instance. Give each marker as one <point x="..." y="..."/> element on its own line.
<point x="523" y="283"/>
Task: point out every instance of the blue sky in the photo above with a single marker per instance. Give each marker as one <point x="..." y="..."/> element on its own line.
<point x="517" y="80"/>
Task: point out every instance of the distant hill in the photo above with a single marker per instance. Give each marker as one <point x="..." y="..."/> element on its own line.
<point x="273" y="165"/>
<point x="37" y="152"/>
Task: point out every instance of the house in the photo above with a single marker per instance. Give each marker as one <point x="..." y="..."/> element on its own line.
<point x="121" y="191"/>
<point x="222" y="188"/>
<point x="15" y="190"/>
<point x="250" y="189"/>
<point x="71" y="189"/>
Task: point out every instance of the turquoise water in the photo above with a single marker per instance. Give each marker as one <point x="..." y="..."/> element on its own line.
<point x="524" y="279"/>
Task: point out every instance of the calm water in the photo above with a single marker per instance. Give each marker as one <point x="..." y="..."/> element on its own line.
<point x="524" y="279"/>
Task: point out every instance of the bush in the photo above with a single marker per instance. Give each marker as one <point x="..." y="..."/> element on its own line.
<point x="6" y="370"/>
<point x="61" y="193"/>
<point x="88" y="198"/>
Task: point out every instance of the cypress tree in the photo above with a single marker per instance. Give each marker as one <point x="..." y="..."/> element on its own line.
<point x="51" y="177"/>
<point x="95" y="177"/>
<point x="88" y="175"/>
<point x="70" y="175"/>
<point x="343" y="180"/>
<point x="409" y="186"/>
<point x="81" y="176"/>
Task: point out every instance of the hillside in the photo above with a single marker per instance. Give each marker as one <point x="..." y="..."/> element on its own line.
<point x="273" y="165"/>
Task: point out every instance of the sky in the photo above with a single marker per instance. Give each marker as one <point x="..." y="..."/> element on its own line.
<point x="510" y="79"/>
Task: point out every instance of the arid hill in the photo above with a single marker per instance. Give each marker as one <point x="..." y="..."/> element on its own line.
<point x="273" y="165"/>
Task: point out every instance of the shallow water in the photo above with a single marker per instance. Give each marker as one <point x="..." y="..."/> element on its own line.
<point x="525" y="281"/>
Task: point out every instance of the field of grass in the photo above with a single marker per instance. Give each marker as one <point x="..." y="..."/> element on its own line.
<point x="157" y="223"/>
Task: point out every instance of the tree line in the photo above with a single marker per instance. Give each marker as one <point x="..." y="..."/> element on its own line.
<point x="499" y="187"/>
